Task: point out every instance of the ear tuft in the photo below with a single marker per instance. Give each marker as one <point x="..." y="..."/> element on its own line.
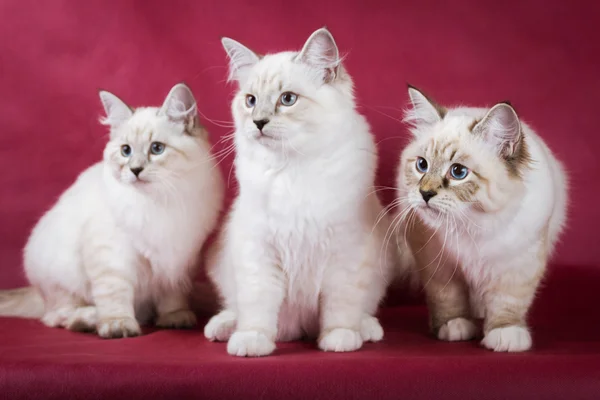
<point x="116" y="110"/>
<point x="241" y="59"/>
<point x="320" y="51"/>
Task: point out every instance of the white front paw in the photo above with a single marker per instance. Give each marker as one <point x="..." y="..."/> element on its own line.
<point x="457" y="329"/>
<point x="119" y="327"/>
<point x="250" y="344"/>
<point x="340" y="339"/>
<point x="371" y="330"/>
<point x="220" y="327"/>
<point x="510" y="338"/>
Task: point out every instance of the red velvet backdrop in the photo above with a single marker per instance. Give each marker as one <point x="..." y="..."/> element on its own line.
<point x="541" y="55"/>
<point x="54" y="55"/>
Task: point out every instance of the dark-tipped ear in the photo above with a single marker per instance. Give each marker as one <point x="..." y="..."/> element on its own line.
<point x="180" y="104"/>
<point x="116" y="110"/>
<point x="321" y="52"/>
<point x="423" y="110"/>
<point x="501" y="128"/>
<point x="241" y="59"/>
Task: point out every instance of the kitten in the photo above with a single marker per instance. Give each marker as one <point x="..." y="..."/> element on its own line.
<point x="300" y="253"/>
<point x="123" y="240"/>
<point x="489" y="202"/>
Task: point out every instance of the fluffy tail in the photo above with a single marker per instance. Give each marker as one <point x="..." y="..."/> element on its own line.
<point x="23" y="303"/>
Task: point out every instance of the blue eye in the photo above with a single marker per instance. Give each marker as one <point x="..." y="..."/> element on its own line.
<point x="125" y="150"/>
<point x="459" y="171"/>
<point x="250" y="101"/>
<point x="422" y="165"/>
<point x="157" y="148"/>
<point x="288" y="99"/>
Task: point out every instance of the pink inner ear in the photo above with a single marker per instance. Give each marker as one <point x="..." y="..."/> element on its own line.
<point x="330" y="74"/>
<point x="321" y="52"/>
<point x="501" y="127"/>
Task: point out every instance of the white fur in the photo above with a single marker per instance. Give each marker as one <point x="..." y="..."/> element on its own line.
<point x="299" y="253"/>
<point x="112" y="230"/>
<point x="510" y="241"/>
<point x="457" y="329"/>
<point x="517" y="210"/>
<point x="510" y="339"/>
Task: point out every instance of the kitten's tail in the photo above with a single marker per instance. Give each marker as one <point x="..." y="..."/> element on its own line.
<point x="26" y="302"/>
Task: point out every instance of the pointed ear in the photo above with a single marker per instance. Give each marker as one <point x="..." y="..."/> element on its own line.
<point x="116" y="110"/>
<point x="321" y="52"/>
<point x="501" y="128"/>
<point x="180" y="104"/>
<point x="424" y="110"/>
<point x="241" y="59"/>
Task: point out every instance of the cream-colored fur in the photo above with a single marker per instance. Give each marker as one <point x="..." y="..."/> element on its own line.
<point x="116" y="246"/>
<point x="300" y="253"/>
<point x="481" y="243"/>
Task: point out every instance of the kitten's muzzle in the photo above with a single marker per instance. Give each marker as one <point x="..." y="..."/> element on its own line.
<point x="427" y="195"/>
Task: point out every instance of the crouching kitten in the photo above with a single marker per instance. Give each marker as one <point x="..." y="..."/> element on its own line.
<point x="301" y="254"/>
<point x="489" y="199"/>
<point x="121" y="244"/>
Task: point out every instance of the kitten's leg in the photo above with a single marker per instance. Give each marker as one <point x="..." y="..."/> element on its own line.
<point x="446" y="291"/>
<point x="507" y="302"/>
<point x="64" y="309"/>
<point x="343" y="298"/>
<point x="83" y="319"/>
<point x="219" y="268"/>
<point x="113" y="295"/>
<point x="112" y="267"/>
<point x="220" y="327"/>
<point x="449" y="309"/>
<point x="260" y="293"/>
<point x="173" y="309"/>
<point x="382" y="275"/>
<point x="370" y="329"/>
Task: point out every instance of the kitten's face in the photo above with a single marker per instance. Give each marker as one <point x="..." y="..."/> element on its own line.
<point x="285" y="97"/>
<point x="148" y="149"/>
<point x="456" y="169"/>
<point x="152" y="147"/>
<point x="285" y="94"/>
<point x="449" y="173"/>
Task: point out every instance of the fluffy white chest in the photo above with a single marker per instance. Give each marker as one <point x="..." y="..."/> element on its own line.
<point x="295" y="218"/>
<point x="160" y="232"/>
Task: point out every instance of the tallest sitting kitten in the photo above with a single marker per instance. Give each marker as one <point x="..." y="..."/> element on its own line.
<point x="299" y="254"/>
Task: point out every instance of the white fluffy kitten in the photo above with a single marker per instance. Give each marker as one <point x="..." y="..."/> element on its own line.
<point x="122" y="242"/>
<point x="490" y="201"/>
<point x="300" y="254"/>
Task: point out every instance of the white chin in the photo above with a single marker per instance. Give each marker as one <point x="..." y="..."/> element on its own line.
<point x="429" y="215"/>
<point x="266" y="140"/>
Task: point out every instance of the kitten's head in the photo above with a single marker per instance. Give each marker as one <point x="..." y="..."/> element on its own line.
<point x="284" y="98"/>
<point x="462" y="161"/>
<point x="152" y="145"/>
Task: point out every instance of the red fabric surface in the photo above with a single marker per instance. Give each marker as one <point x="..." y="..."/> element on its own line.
<point x="408" y="364"/>
<point x="540" y="55"/>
